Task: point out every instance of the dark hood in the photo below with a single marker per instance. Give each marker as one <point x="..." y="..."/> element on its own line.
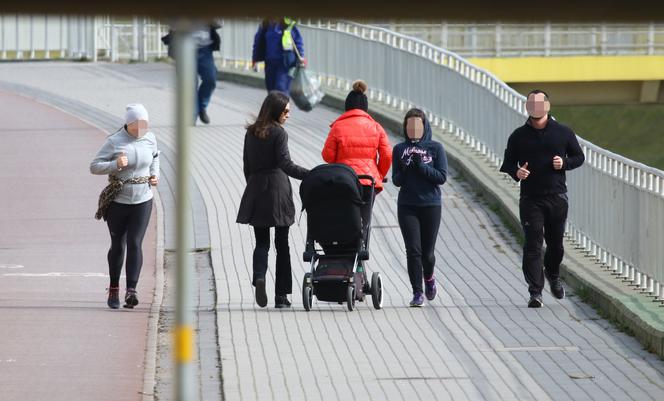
<point x="426" y="137"/>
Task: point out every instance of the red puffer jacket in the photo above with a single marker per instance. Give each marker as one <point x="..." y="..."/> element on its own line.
<point x="356" y="140"/>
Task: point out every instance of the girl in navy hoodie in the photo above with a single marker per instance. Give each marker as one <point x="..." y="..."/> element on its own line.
<point x="419" y="168"/>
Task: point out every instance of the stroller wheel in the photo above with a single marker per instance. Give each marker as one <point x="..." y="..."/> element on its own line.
<point x="377" y="290"/>
<point x="350" y="297"/>
<point x="307" y="292"/>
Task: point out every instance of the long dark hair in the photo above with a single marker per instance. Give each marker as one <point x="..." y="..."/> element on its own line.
<point x="274" y="104"/>
<point x="413" y="113"/>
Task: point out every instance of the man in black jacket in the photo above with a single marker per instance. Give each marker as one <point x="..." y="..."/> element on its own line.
<point x="538" y="154"/>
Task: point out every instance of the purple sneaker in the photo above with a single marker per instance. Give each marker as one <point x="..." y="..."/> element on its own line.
<point x="430" y="288"/>
<point x="417" y="301"/>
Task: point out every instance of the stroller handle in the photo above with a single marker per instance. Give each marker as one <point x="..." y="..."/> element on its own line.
<point x="367" y="177"/>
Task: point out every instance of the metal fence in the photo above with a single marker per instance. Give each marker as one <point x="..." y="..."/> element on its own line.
<point x="35" y="37"/>
<point x="44" y="37"/>
<point x="519" y="40"/>
<point x="616" y="204"/>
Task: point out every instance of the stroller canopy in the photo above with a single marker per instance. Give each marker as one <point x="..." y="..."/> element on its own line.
<point x="331" y="195"/>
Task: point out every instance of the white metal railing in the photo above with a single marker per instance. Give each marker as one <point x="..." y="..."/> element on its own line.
<point x="616" y="204"/>
<point x="33" y="37"/>
<point x="546" y="39"/>
<point x="27" y="37"/>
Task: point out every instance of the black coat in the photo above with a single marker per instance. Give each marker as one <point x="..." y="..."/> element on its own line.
<point x="268" y="198"/>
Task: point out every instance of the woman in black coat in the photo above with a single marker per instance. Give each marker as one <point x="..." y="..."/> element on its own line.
<point x="268" y="198"/>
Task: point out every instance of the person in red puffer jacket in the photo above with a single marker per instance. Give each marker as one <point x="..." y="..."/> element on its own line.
<point x="357" y="140"/>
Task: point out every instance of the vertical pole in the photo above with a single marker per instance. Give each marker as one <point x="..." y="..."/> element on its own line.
<point x="547" y="39"/>
<point x="4" y="37"/>
<point x="80" y="21"/>
<point x="95" y="38"/>
<point x="32" y="36"/>
<point x="498" y="39"/>
<point x="651" y="39"/>
<point x="603" y="39"/>
<point x="443" y="36"/>
<point x="184" y="330"/>
<point x="134" y="39"/>
<point x="159" y="45"/>
<point x="19" y="52"/>
<point x="142" y="51"/>
<point x="62" y="36"/>
<point x="47" y="53"/>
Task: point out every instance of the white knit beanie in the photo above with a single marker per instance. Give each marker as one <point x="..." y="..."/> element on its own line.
<point x="135" y="112"/>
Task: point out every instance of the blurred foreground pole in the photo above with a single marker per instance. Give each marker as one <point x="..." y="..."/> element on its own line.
<point x="185" y="61"/>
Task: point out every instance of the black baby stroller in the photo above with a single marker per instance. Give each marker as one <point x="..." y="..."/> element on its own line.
<point x="337" y="239"/>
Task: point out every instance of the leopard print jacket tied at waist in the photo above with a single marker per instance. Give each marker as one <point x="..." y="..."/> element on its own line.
<point x="112" y="190"/>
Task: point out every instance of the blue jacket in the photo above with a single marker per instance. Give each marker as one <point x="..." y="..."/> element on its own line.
<point x="419" y="169"/>
<point x="268" y="48"/>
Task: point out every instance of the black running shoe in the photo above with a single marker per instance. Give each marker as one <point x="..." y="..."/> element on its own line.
<point x="261" y="295"/>
<point x="557" y="289"/>
<point x="535" y="301"/>
<point x="204" y="117"/>
<point x="281" y="301"/>
<point x="130" y="298"/>
<point x="113" y="297"/>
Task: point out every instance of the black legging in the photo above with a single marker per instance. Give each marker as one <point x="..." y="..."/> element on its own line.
<point x="127" y="225"/>
<point x="419" y="227"/>
<point x="283" y="281"/>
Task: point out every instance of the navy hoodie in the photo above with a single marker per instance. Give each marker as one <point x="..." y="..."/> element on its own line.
<point x="420" y="182"/>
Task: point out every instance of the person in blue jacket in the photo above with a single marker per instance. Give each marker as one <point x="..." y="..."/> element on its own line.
<point x="275" y="43"/>
<point x="419" y="168"/>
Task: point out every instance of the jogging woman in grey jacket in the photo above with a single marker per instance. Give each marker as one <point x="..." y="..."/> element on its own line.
<point x="131" y="160"/>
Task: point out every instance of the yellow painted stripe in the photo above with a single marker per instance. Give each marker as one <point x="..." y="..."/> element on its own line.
<point x="184" y="344"/>
<point x="574" y="69"/>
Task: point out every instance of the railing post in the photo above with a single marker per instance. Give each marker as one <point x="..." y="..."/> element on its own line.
<point x="62" y="36"/>
<point x="443" y="36"/>
<point x="19" y="53"/>
<point x="473" y="40"/>
<point x="79" y="36"/>
<point x="46" y="50"/>
<point x="32" y="36"/>
<point x="603" y="39"/>
<point x="134" y="39"/>
<point x="142" y="44"/>
<point x="114" y="43"/>
<point x="160" y="46"/>
<point x="547" y="39"/>
<point x="651" y="39"/>
<point x="3" y="55"/>
<point x="94" y="45"/>
<point x="498" y="34"/>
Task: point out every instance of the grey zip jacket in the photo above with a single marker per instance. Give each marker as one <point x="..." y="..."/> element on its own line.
<point x="143" y="157"/>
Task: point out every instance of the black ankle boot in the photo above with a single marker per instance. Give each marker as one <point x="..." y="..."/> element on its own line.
<point x="281" y="301"/>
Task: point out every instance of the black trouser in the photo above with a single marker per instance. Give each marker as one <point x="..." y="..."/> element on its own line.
<point x="419" y="227"/>
<point x="283" y="283"/>
<point x="542" y="217"/>
<point x="127" y="225"/>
